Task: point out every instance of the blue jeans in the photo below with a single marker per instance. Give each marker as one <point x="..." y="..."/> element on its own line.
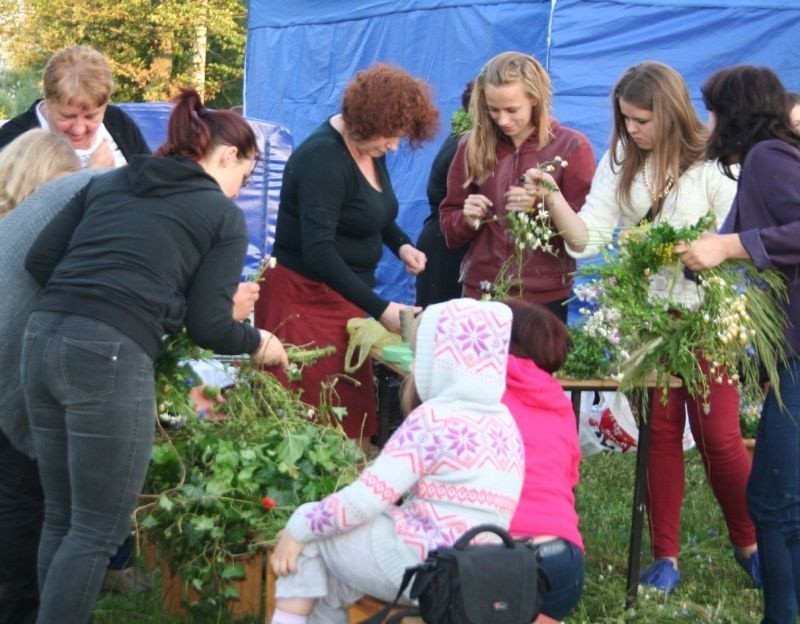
<point x="562" y="562"/>
<point x="90" y="394"/>
<point x="773" y="498"/>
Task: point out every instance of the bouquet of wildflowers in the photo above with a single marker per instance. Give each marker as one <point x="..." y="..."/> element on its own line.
<point x="632" y="336"/>
<point x="532" y="229"/>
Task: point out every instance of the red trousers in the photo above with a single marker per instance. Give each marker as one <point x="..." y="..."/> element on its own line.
<point x="727" y="464"/>
<point x="308" y="313"/>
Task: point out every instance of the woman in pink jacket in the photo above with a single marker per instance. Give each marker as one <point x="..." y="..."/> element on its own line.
<point x="543" y="413"/>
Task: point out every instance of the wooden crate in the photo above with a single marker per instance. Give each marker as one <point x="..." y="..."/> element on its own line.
<point x="251" y="588"/>
<point x="256" y="594"/>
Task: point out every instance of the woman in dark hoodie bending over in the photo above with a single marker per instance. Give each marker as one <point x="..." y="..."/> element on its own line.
<point x="140" y="252"/>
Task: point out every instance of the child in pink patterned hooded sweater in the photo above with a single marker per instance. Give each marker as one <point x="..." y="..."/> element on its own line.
<point x="546" y="511"/>
<point x="454" y="463"/>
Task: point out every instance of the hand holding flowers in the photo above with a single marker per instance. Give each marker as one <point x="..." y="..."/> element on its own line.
<point x="539" y="183"/>
<point x="477" y="208"/>
<point x="270" y="351"/>
<point x="529" y="222"/>
<point x="710" y="250"/>
<point x="528" y="225"/>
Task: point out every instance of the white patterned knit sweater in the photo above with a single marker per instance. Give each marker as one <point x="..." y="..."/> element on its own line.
<point x="458" y="457"/>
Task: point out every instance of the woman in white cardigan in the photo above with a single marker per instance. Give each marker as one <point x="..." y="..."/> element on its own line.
<point x="655" y="169"/>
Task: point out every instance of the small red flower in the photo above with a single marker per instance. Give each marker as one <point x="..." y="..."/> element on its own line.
<point x="268" y="503"/>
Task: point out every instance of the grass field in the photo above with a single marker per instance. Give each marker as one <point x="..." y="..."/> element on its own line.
<point x="714" y="588"/>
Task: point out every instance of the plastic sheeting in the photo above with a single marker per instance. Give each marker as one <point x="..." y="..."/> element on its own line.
<point x="301" y="54"/>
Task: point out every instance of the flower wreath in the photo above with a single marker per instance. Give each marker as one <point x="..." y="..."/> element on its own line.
<point x="633" y="336"/>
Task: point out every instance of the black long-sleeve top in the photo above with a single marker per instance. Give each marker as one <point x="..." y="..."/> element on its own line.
<point x="120" y="126"/>
<point x="332" y="223"/>
<point x="148" y="248"/>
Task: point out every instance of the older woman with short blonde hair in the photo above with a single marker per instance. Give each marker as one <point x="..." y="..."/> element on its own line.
<point x="77" y="88"/>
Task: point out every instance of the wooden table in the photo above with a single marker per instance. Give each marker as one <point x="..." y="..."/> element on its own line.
<point x="575" y="387"/>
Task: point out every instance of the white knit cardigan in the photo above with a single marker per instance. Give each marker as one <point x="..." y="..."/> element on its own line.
<point x="702" y="188"/>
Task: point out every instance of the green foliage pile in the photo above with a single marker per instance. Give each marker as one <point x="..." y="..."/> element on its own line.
<point x="217" y="490"/>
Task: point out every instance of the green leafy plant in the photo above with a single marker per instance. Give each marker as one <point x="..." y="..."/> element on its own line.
<point x="633" y="335"/>
<point x="460" y="121"/>
<point x="218" y="490"/>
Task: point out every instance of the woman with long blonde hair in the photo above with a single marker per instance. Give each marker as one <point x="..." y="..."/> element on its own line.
<point x="29" y="161"/>
<point x="656" y="170"/>
<point x="512" y="131"/>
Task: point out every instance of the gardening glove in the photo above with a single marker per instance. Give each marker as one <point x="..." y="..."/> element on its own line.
<point x="364" y="335"/>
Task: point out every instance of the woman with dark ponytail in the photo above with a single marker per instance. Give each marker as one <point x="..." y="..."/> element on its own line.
<point x="138" y="253"/>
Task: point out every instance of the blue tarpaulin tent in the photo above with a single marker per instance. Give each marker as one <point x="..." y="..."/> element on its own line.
<point x="301" y="53"/>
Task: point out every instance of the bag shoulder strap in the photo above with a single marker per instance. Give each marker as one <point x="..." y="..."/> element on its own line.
<point x="380" y="616"/>
<point x="397" y="618"/>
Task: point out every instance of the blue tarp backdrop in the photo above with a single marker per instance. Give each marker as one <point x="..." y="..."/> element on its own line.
<point x="301" y="53"/>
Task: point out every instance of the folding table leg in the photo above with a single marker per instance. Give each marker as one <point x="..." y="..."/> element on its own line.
<point x="637" y="511"/>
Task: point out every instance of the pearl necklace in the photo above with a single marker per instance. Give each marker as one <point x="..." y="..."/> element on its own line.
<point x="667" y="187"/>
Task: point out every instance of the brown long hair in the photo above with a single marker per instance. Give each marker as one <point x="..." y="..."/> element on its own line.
<point x="679" y="136"/>
<point x="537" y="334"/>
<point x="503" y="69"/>
<point x="193" y="130"/>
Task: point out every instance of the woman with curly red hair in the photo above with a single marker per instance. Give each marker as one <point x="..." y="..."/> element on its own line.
<point x="337" y="211"/>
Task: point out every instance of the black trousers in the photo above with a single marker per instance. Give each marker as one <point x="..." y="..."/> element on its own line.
<point x="21" y="517"/>
<point x="439" y="281"/>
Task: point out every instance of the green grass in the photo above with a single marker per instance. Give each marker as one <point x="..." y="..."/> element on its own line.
<point x="714" y="589"/>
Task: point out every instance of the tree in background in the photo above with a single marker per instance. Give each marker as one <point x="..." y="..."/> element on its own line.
<point x="17" y="91"/>
<point x="153" y="46"/>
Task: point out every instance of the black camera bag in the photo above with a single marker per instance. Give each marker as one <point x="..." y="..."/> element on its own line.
<point x="474" y="583"/>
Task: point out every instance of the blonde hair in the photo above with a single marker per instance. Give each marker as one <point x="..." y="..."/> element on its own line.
<point x="78" y="76"/>
<point x="503" y="69"/>
<point x="29" y="161"/>
<point x="679" y="137"/>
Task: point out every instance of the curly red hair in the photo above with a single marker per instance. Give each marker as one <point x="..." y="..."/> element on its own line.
<point x="386" y="101"/>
